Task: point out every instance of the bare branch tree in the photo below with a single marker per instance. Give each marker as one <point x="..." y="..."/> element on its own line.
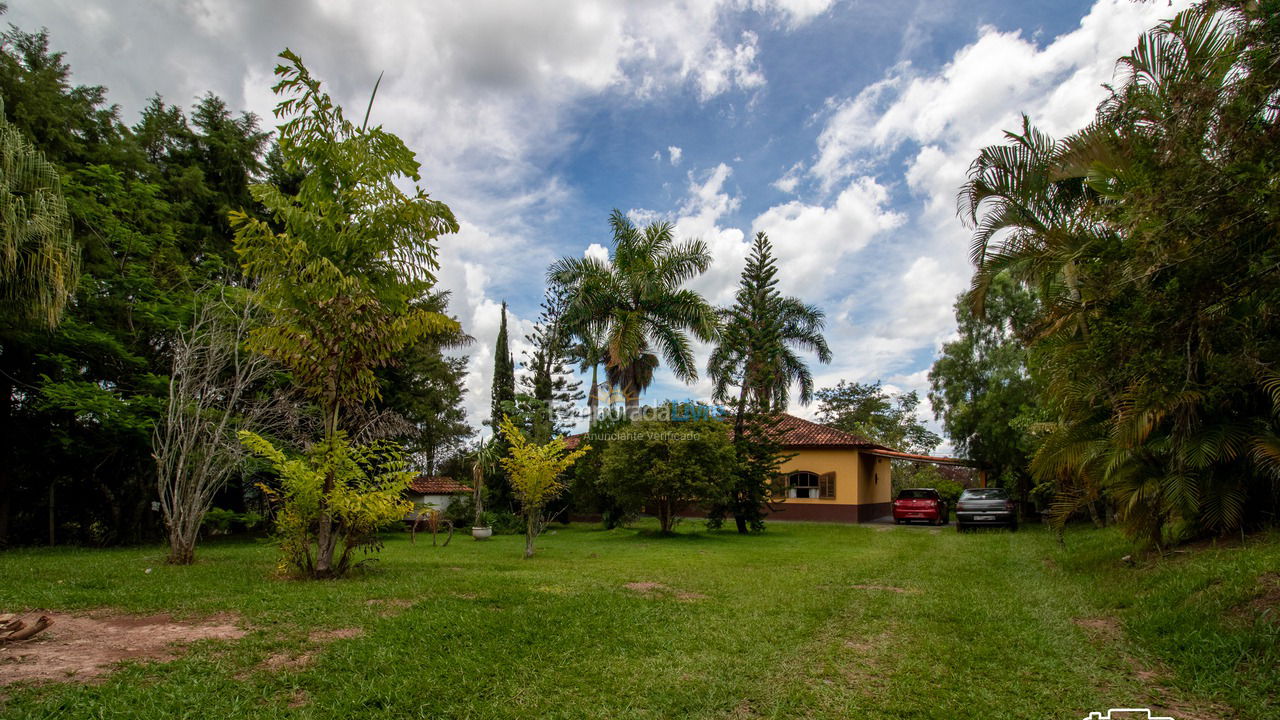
<point x="213" y="392"/>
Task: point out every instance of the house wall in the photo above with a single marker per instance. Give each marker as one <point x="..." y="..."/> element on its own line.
<point x="875" y="487"/>
<point x="844" y="507"/>
<point x="439" y="502"/>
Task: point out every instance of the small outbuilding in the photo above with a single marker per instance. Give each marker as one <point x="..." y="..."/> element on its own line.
<point x="438" y="492"/>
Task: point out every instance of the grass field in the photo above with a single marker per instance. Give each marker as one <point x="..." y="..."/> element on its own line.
<point x="805" y="620"/>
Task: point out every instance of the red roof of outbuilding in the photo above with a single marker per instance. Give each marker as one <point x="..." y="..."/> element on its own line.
<point x="435" y="485"/>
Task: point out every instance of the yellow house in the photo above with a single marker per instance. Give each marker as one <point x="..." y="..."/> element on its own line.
<point x="832" y="475"/>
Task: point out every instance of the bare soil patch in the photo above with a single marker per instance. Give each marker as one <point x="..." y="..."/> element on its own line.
<point x="81" y="648"/>
<point x="291" y="660"/>
<point x="656" y="590"/>
<point x="321" y="636"/>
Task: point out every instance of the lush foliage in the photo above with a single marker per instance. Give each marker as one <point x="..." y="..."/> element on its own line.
<point x="536" y="471"/>
<point x="148" y="206"/>
<point x="981" y="388"/>
<point x="637" y="303"/>
<point x="39" y="262"/>
<point x="358" y="490"/>
<point x="668" y="466"/>
<point x="866" y="410"/>
<point x="339" y="279"/>
<point x="1149" y="239"/>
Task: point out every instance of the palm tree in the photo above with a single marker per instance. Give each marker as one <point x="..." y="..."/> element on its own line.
<point x="39" y="261"/>
<point x="484" y="459"/>
<point x="633" y="378"/>
<point x="1125" y="224"/>
<point x="637" y="303"/>
<point x="760" y="339"/>
<point x="588" y="351"/>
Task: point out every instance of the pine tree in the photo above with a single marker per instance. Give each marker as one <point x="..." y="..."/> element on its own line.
<point x="549" y="385"/>
<point x="757" y="352"/>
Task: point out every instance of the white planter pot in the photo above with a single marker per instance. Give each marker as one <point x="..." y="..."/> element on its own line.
<point x="481" y="533"/>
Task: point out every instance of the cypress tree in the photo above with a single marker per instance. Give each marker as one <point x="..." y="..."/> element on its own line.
<point x="503" y="395"/>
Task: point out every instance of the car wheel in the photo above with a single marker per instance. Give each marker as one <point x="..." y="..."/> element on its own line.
<point x="959" y="527"/>
<point x="1013" y="526"/>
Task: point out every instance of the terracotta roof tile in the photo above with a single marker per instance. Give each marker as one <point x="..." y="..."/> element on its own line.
<point x="798" y="432"/>
<point x="433" y="485"/>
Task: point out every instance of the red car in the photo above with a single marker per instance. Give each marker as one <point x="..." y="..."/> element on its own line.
<point x="920" y="504"/>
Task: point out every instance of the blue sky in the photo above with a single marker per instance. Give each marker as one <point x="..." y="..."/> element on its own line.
<point x="842" y="129"/>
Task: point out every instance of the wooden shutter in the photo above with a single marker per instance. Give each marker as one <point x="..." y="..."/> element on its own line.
<point x="827" y="485"/>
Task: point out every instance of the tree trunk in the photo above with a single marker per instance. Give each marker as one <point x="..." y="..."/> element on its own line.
<point x="593" y="397"/>
<point x="325" y="537"/>
<point x="182" y="550"/>
<point x="530" y="532"/>
<point x="665" y="516"/>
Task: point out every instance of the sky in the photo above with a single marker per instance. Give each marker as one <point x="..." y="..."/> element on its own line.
<point x="842" y="128"/>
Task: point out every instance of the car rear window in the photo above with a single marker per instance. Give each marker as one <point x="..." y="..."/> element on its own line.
<point x="985" y="494"/>
<point x="917" y="494"/>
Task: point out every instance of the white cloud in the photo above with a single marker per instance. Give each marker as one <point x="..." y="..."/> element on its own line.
<point x="790" y="179"/>
<point x="812" y="241"/>
<point x="722" y="68"/>
<point x="597" y="251"/>
<point x="675" y="153"/>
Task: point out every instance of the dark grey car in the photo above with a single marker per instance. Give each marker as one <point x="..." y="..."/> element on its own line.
<point x="986" y="506"/>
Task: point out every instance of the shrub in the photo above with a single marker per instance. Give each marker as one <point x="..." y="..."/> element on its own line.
<point x="534" y="472"/>
<point x="360" y="488"/>
<point x="669" y="466"/>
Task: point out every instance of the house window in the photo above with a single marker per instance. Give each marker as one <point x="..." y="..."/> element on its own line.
<point x="806" y="485"/>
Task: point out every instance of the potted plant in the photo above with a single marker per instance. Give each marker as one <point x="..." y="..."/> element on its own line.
<point x="483" y="459"/>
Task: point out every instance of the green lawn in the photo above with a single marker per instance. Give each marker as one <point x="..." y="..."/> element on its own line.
<point x="806" y="620"/>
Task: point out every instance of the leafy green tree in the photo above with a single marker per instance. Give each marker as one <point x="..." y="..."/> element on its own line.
<point x="1148" y="238"/>
<point x="637" y="301"/>
<point x="667" y="466"/>
<point x="426" y="387"/>
<point x="39" y="260"/>
<point x="982" y="389"/>
<point x="78" y="403"/>
<point x="757" y="352"/>
<point x="870" y="412"/>
<point x="536" y="471"/>
<point x="340" y="280"/>
<point x="357" y="489"/>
